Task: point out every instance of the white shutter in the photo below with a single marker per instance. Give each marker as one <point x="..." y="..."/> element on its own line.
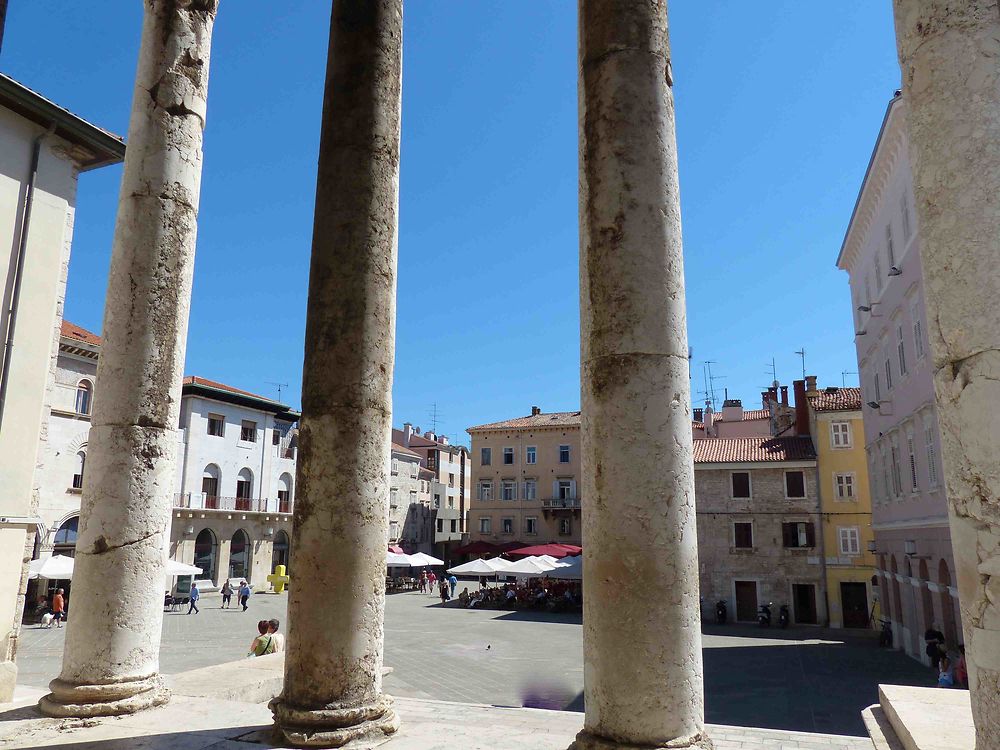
<point x="572" y="488"/>
<point x="555" y="488"/>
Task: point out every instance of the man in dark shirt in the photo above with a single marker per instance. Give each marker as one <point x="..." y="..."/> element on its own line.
<point x="935" y="641"/>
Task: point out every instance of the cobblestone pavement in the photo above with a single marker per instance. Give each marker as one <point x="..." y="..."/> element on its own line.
<point x="804" y="680"/>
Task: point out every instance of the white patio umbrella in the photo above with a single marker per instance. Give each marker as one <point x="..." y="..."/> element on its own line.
<point x="481" y="567"/>
<point x="175" y="568"/>
<point x="57" y="567"/>
<point x="419" y="560"/>
<point x="568" y="569"/>
<point x="394" y="559"/>
<point x="529" y="567"/>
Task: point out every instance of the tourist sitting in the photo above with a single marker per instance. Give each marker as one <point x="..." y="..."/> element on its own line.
<point x="463" y="598"/>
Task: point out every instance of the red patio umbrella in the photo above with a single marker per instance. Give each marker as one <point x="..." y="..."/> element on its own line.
<point x="552" y="550"/>
<point x="397" y="549"/>
<point x="477" y="548"/>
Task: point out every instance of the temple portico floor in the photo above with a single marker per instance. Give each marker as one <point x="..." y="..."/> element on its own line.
<point x="806" y="680"/>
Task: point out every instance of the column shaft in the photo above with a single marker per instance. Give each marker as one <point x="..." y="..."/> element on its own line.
<point x="333" y="666"/>
<point x="642" y="653"/>
<point x="948" y="53"/>
<point x="111" y="657"/>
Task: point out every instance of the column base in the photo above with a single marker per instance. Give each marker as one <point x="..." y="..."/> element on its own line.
<point x="587" y="741"/>
<point x="69" y="699"/>
<point x="356" y="727"/>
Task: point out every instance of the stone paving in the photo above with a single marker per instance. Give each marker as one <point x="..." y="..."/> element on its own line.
<point x="806" y="680"/>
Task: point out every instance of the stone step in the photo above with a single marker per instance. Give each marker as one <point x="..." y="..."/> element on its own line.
<point x="926" y="718"/>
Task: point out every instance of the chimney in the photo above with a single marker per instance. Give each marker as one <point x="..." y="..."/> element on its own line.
<point x="430" y="435"/>
<point x="407" y="433"/>
<point x="708" y="420"/>
<point x="765" y="399"/>
<point x="732" y="410"/>
<point x="784" y="395"/>
<point x="801" y="410"/>
<point x="535" y="411"/>
<point x="698" y="415"/>
<point x="443" y="440"/>
<point x="811" y="384"/>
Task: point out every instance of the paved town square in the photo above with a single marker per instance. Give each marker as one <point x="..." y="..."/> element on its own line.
<point x="804" y="680"/>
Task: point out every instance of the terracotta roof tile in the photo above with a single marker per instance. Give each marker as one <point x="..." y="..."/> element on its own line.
<point x="78" y="333"/>
<point x="838" y="399"/>
<point x="195" y="380"/>
<point x="397" y="448"/>
<point x="753" y="450"/>
<point x="552" y="419"/>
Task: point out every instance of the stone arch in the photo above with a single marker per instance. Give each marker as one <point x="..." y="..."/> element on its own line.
<point x="78" y="442"/>
<point x="244" y="488"/>
<point x="926" y="598"/>
<point x="206" y="553"/>
<point x="948" y="624"/>
<point x="280" y="550"/>
<point x="239" y="555"/>
<point x="84" y="403"/>
<point x="285" y="485"/>
<point x="64" y="539"/>
<point x="211" y="481"/>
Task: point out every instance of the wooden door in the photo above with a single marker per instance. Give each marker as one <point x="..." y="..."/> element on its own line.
<point x="746" y="601"/>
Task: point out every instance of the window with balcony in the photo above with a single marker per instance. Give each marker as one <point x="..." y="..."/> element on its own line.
<point x="798" y="535"/>
<point x="565" y="489"/>
<point x="485" y="456"/>
<point x="248" y="431"/>
<point x="531" y="526"/>
<point x="485" y="525"/>
<point x="743" y="535"/>
<point x="740" y="481"/>
<point x="216" y="425"/>
<point x="530" y="489"/>
<point x="850" y="540"/>
<point x="508" y="456"/>
<point x="530" y="454"/>
<point x="840" y="434"/>
<point x="564" y="454"/>
<point x="84" y="397"/>
<point x="244" y="489"/>
<point x="844" y="485"/>
<point x="506" y="525"/>
<point x="508" y="489"/>
<point x="795" y="485"/>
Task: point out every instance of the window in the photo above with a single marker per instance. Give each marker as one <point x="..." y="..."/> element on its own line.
<point x="888" y="372"/>
<point x="84" y="391"/>
<point x="530" y="454"/>
<point x="506" y="525"/>
<point x="531" y="526"/>
<point x="886" y="479"/>
<point x="565" y="489"/>
<point x="485" y="456"/>
<point x="932" y="474"/>
<point x="914" y="485"/>
<point x="248" y="432"/>
<point x="878" y="386"/>
<point x="904" y="205"/>
<point x="564" y="454"/>
<point x="440" y="524"/>
<point x="844" y="486"/>
<point x="743" y="535"/>
<point x="530" y="489"/>
<point x="275" y="437"/>
<point x="897" y="482"/>
<point x="565" y="527"/>
<point x="394" y="529"/>
<point x="890" y="253"/>
<point x="508" y="456"/>
<point x="81" y="462"/>
<point x="878" y="272"/>
<point x="244" y="484"/>
<point x="918" y="333"/>
<point x="850" y="542"/>
<point x="740" y="484"/>
<point x="868" y="290"/>
<point x="394" y="498"/>
<point x="454" y="525"/>
<point x="508" y="489"/>
<point x="432" y="461"/>
<point x="216" y="425"/>
<point x="840" y="434"/>
<point x="795" y="484"/>
<point x="485" y="490"/>
<point x="414" y="469"/>
<point x="451" y="480"/>
<point x="798" y="535"/>
<point x="395" y="466"/>
<point x="485" y="526"/>
<point x="900" y="350"/>
<point x="437" y="500"/>
<point x="413" y="497"/>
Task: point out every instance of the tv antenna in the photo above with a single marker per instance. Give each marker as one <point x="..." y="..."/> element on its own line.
<point x="802" y="353"/>
<point x="843" y="376"/>
<point x="434" y="415"/>
<point x="774" y="374"/>
<point x="710" y="379"/>
<point x="279" y="386"/>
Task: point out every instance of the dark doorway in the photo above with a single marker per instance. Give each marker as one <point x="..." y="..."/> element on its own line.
<point x="804" y="595"/>
<point x="854" y="604"/>
<point x="746" y="601"/>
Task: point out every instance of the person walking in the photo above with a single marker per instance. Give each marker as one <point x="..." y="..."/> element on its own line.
<point x="58" y="608"/>
<point x="453" y="583"/>
<point x="423" y="581"/>
<point x="195" y="596"/>
<point x="244" y="594"/>
<point x="443" y="590"/>
<point x="227" y="595"/>
<point x="432" y="581"/>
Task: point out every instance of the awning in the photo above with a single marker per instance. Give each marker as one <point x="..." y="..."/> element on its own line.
<point x="55" y="568"/>
<point x="557" y="551"/>
<point x="478" y="548"/>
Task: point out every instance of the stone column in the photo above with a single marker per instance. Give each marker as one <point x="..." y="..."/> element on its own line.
<point x="111" y="656"/>
<point x="642" y="654"/>
<point x="333" y="665"/>
<point x="949" y="54"/>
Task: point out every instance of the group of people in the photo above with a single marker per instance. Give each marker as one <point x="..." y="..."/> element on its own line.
<point x="445" y="587"/>
<point x="268" y="640"/>
<point x="54" y="614"/>
<point x="243" y="594"/>
<point x="538" y="594"/>
<point x="951" y="672"/>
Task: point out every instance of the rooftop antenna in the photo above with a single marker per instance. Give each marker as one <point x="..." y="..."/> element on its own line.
<point x="710" y="380"/>
<point x="774" y="373"/>
<point x="802" y="353"/>
<point x="434" y="414"/>
<point x="269" y="382"/>
<point x="843" y="376"/>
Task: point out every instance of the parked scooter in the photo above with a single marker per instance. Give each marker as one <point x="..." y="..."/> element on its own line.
<point x="885" y="637"/>
<point x="783" y="616"/>
<point x="720" y="612"/>
<point x="764" y="615"/>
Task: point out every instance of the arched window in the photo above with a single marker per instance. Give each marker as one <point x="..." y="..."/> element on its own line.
<point x="206" y="553"/>
<point x="210" y="480"/>
<point x="279" y="551"/>
<point x="285" y="493"/>
<point x="65" y="541"/>
<point x="81" y="463"/>
<point x="84" y="397"/>
<point x="244" y="489"/>
<point x="239" y="555"/>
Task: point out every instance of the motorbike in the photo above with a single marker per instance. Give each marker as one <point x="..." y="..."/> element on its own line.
<point x="783" y="616"/>
<point x="885" y="637"/>
<point x="764" y="615"/>
<point x="720" y="612"/>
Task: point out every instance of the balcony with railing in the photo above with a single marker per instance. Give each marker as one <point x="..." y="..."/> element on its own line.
<point x="571" y="504"/>
<point x="201" y="501"/>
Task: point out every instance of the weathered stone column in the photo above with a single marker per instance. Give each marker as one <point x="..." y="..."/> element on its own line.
<point x="949" y="53"/>
<point x="642" y="652"/>
<point x="333" y="665"/>
<point x="111" y="657"/>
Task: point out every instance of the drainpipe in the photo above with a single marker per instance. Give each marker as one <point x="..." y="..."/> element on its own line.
<point x="22" y="249"/>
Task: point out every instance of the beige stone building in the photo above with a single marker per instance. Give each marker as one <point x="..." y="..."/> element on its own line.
<point x="758" y="522"/>
<point x="525" y="475"/>
<point x="410" y="517"/>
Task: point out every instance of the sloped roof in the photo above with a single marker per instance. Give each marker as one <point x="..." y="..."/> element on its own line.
<point x="397" y="448"/>
<point x="838" y="399"/>
<point x="79" y="333"/>
<point x="223" y="392"/>
<point x="195" y="380"/>
<point x="552" y="419"/>
<point x="753" y="450"/>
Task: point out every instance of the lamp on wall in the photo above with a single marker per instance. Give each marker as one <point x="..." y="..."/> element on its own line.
<point x="872" y="546"/>
<point x="189" y="530"/>
<point x="270" y="531"/>
<point x="910" y="547"/>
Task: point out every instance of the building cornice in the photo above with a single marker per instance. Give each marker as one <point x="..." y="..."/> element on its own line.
<point x="742" y="465"/>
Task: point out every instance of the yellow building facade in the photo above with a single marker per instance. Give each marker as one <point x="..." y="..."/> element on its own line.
<point x="837" y="431"/>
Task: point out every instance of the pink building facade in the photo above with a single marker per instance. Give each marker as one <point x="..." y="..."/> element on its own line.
<point x="916" y="571"/>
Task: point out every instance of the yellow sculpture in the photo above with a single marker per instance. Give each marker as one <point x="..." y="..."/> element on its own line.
<point x="278" y="579"/>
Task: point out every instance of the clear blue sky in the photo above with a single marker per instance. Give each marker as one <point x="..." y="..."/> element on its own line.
<point x="778" y="108"/>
